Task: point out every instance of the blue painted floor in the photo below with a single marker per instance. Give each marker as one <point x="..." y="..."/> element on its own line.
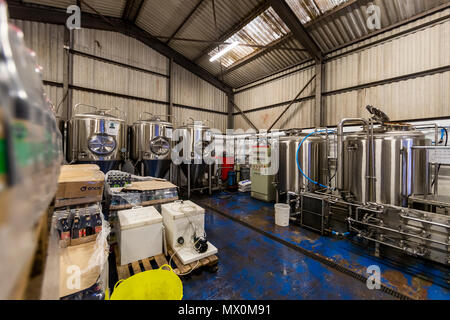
<point x="253" y="266"/>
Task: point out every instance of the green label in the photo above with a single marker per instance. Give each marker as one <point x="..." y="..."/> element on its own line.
<point x="22" y="146"/>
<point x="2" y="157"/>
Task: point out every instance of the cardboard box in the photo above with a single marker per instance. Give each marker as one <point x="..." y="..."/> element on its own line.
<point x="149" y="185"/>
<point x="80" y="167"/>
<point x="141" y="188"/>
<point x="79" y="184"/>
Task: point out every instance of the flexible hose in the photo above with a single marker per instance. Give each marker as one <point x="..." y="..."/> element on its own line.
<point x="298" y="164"/>
<point x="444" y="132"/>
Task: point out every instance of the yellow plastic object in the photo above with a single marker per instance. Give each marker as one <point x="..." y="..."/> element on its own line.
<point x="160" y="284"/>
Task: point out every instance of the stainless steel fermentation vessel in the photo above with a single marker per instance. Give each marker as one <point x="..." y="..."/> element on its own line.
<point x="312" y="159"/>
<point x="387" y="170"/>
<point x="200" y="138"/>
<point x="151" y="145"/>
<point x="97" y="137"/>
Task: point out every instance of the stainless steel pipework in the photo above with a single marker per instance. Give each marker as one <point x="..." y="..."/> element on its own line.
<point x="436" y="166"/>
<point x="340" y="150"/>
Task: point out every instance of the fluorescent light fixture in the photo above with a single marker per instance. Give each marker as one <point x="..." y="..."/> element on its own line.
<point x="224" y="51"/>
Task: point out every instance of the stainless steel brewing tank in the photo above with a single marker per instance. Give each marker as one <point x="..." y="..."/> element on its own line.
<point x="151" y="145"/>
<point x="313" y="162"/>
<point x="200" y="138"/>
<point x="98" y="138"/>
<point x="396" y="170"/>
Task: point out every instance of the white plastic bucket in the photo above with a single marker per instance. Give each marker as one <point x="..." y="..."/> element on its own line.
<point x="282" y="214"/>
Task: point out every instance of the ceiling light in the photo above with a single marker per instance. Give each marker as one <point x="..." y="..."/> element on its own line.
<point x="224" y="51"/>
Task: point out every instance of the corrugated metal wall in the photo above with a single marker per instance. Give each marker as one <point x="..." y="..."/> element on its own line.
<point x="190" y="90"/>
<point x="417" y="98"/>
<point x="300" y="115"/>
<point x="421" y="97"/>
<point x="47" y="41"/>
<point x="139" y="87"/>
<point x="285" y="89"/>
<point x="104" y="76"/>
<point x="132" y="108"/>
<point x="118" y="47"/>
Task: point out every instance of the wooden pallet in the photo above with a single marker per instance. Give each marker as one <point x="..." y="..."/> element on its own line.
<point x="211" y="262"/>
<point x="126" y="271"/>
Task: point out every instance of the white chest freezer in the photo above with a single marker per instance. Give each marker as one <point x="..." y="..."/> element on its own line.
<point x="140" y="234"/>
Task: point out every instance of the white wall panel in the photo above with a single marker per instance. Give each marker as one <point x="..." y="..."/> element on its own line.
<point x="423" y="50"/>
<point x="277" y="91"/>
<point x="424" y="97"/>
<point x="300" y="115"/>
<point x="104" y="76"/>
<point x="281" y="90"/>
<point x="118" y="47"/>
<point x="215" y="121"/>
<point x="47" y="40"/>
<point x="191" y="90"/>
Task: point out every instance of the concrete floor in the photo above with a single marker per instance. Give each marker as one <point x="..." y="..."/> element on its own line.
<point x="258" y="260"/>
<point x="253" y="266"/>
<point x="272" y="258"/>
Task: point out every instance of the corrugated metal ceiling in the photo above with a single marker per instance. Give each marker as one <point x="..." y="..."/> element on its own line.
<point x="108" y="8"/>
<point x="351" y="23"/>
<point x="308" y="10"/>
<point x="347" y="23"/>
<point x="268" y="63"/>
<point x="201" y="24"/>
<point x="263" y="30"/>
<point x="331" y="23"/>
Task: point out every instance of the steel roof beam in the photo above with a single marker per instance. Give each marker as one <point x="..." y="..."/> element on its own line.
<point x="257" y="54"/>
<point x="132" y="10"/>
<point x="298" y="30"/>
<point x="127" y="10"/>
<point x="184" y="21"/>
<point x="46" y="14"/>
<point x="238" y="26"/>
<point x="308" y="26"/>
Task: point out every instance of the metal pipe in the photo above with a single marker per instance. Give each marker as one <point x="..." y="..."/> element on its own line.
<point x="210" y="179"/>
<point x="431" y="147"/>
<point x="373" y="173"/>
<point x="189" y="180"/>
<point x="84" y="105"/>
<point x="120" y="111"/>
<point x="436" y="165"/>
<point x="340" y="150"/>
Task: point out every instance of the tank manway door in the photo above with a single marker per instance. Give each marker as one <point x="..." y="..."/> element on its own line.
<point x="160" y="146"/>
<point x="102" y="144"/>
